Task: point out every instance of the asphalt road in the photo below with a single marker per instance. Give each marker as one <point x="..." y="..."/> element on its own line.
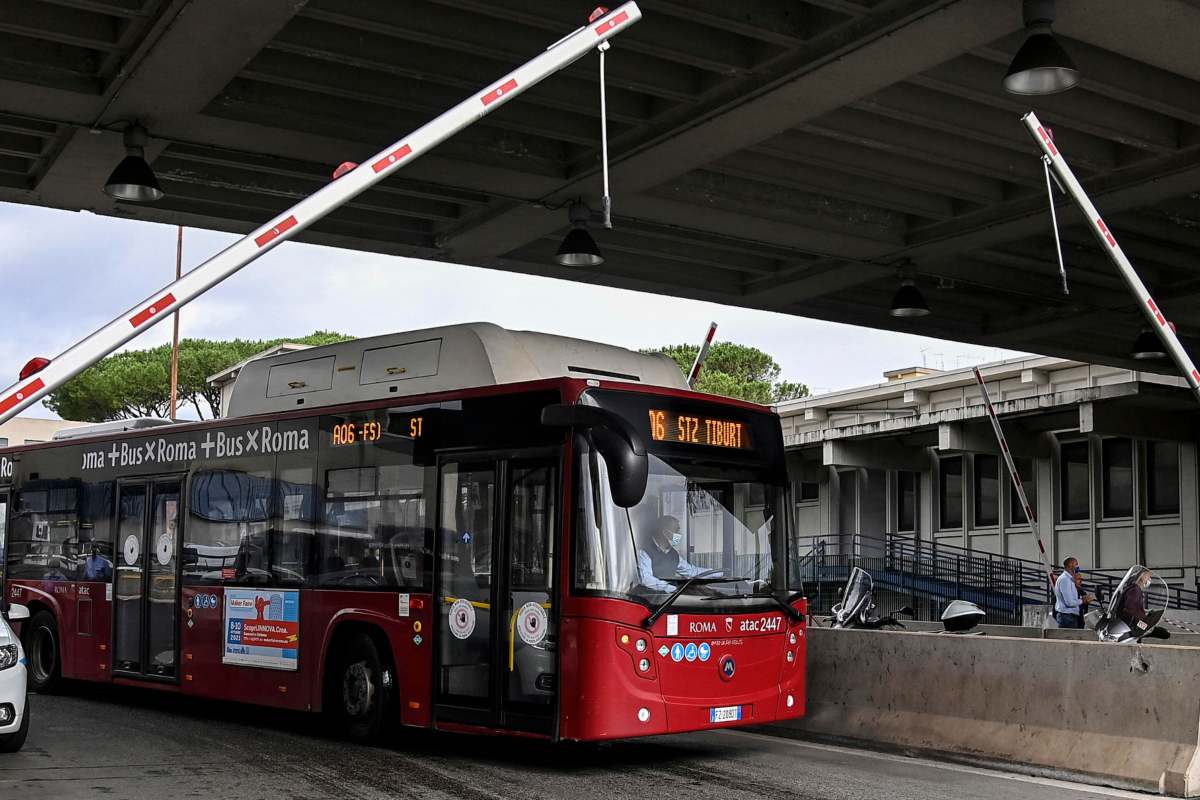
<point x="112" y="743"/>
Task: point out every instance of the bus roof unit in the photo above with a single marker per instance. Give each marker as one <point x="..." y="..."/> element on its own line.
<point x="434" y="360"/>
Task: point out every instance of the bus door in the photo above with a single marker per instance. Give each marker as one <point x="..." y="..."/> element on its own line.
<point x="146" y="580"/>
<point x="496" y="629"/>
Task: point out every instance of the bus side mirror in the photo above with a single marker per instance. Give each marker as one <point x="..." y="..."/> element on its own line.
<point x="617" y="440"/>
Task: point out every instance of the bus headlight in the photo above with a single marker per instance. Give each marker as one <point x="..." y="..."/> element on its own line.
<point x="8" y="656"/>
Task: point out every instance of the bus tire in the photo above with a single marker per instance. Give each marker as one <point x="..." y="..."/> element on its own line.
<point x="44" y="651"/>
<point x="12" y="742"/>
<point x="356" y="689"/>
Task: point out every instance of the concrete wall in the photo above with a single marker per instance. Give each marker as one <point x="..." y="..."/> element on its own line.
<point x="1058" y="706"/>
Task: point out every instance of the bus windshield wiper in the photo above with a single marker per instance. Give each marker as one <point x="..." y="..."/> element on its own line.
<point x="649" y="621"/>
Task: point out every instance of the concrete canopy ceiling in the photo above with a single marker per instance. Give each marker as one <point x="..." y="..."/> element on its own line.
<point x="780" y="155"/>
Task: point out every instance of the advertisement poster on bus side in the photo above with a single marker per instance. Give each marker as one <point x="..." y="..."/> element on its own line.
<point x="262" y="628"/>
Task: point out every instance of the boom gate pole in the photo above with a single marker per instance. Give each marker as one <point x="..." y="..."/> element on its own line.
<point x="39" y="377"/>
<point x="1108" y="243"/>
<point x="701" y="356"/>
<point x="1011" y="466"/>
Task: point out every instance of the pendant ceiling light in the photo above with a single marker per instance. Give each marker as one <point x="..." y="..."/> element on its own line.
<point x="133" y="179"/>
<point x="578" y="248"/>
<point x="908" y="300"/>
<point x="1041" y="66"/>
<point x="1148" y="347"/>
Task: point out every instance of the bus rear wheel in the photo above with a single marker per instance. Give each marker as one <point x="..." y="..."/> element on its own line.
<point x="358" y="688"/>
<point x="42" y="649"/>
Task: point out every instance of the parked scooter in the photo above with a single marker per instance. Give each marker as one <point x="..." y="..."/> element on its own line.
<point x="857" y="606"/>
<point x="1134" y="611"/>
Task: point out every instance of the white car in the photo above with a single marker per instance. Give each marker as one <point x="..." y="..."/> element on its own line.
<point x="14" y="700"/>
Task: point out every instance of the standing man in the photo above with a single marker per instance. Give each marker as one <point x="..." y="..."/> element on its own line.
<point x="1068" y="611"/>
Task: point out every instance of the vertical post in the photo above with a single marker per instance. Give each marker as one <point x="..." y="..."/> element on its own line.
<point x="1108" y="243"/>
<point x="698" y="364"/>
<point x="175" y="335"/>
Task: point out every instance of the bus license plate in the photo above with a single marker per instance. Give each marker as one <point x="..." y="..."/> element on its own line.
<point x="725" y="714"/>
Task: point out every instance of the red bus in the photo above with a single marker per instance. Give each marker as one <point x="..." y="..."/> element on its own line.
<point x="462" y="528"/>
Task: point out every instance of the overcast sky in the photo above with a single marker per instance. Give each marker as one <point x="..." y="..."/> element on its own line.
<point x="66" y="274"/>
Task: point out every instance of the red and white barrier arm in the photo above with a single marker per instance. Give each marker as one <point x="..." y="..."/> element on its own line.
<point x="1016" y="477"/>
<point x="41" y="376"/>
<point x="698" y="364"/>
<point x="1108" y="243"/>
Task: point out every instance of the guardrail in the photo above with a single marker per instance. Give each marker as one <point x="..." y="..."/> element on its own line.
<point x="925" y="576"/>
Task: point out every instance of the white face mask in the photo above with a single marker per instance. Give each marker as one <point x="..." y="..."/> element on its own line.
<point x="676" y="539"/>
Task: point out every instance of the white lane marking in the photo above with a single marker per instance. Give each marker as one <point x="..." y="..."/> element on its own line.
<point x="1104" y="791"/>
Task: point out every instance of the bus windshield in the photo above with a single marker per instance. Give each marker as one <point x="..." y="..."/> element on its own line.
<point x="717" y="522"/>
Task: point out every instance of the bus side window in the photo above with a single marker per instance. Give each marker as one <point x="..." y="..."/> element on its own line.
<point x="372" y="531"/>
<point x="230" y="508"/>
<point x="293" y="526"/>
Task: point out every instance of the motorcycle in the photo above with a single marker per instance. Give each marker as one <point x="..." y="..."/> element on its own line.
<point x="857" y="605"/>
<point x="1134" y="610"/>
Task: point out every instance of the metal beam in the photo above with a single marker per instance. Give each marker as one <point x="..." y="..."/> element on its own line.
<point x="822" y="181"/>
<point x="855" y="159"/>
<point x="172" y="76"/>
<point x="422" y="22"/>
<point x="831" y="71"/>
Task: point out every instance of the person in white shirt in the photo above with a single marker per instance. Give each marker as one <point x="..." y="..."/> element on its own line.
<point x="1068" y="606"/>
<point x="659" y="560"/>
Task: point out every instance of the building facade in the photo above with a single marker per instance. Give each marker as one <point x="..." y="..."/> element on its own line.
<point x="31" y="430"/>
<point x="1108" y="457"/>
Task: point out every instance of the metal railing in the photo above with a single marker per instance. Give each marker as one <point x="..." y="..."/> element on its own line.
<point x="927" y="575"/>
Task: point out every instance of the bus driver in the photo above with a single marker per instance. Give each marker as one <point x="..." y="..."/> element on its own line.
<point x="658" y="558"/>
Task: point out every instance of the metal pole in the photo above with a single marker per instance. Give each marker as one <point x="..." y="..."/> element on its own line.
<point x="698" y="364"/>
<point x="1016" y="477"/>
<point x="175" y="334"/>
<point x="37" y="382"/>
<point x="1108" y="243"/>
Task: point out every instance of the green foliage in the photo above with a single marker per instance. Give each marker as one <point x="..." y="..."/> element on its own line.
<point x="736" y="370"/>
<point x="137" y="383"/>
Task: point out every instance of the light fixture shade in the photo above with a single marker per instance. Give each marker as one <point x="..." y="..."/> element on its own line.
<point x="134" y="180"/>
<point x="908" y="301"/>
<point x="578" y="249"/>
<point x="1148" y="347"/>
<point x="1041" y="66"/>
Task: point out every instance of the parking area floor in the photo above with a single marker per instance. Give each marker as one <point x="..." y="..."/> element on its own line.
<point x="103" y="742"/>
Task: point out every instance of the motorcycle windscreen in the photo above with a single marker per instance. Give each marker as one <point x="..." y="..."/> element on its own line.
<point x="1136" y="607"/>
<point x="856" y="597"/>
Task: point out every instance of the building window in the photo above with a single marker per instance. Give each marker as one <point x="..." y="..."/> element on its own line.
<point x="1016" y="514"/>
<point x="1117" y="462"/>
<point x="1074" y="481"/>
<point x="987" y="491"/>
<point x="950" y="495"/>
<point x="808" y="491"/>
<point x="3" y="441"/>
<point x="906" y="501"/>
<point x="1162" y="477"/>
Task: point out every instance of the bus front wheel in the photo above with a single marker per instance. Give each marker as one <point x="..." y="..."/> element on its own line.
<point x="357" y="688"/>
<point x="43" y="651"/>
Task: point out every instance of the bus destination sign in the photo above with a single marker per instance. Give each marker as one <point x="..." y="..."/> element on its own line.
<point x="671" y="426"/>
